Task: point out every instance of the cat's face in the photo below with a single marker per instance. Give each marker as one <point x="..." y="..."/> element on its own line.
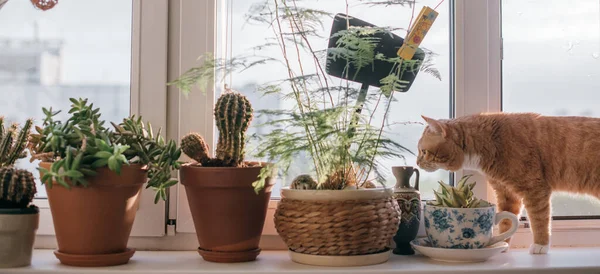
<point x="437" y="149"/>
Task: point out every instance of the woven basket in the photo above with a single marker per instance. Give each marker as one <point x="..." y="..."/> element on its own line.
<point x="335" y="222"/>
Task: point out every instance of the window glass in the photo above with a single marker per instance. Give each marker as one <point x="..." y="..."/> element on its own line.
<point x="78" y="49"/>
<point x="551" y="66"/>
<point x="428" y="95"/>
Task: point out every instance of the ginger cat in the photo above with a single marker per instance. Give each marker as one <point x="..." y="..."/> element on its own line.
<point x="524" y="156"/>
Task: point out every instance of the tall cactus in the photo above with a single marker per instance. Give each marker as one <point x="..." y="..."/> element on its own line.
<point x="17" y="188"/>
<point x="13" y="142"/>
<point x="233" y="114"/>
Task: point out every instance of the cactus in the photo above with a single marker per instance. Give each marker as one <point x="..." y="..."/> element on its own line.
<point x="194" y="146"/>
<point x="17" y="188"/>
<point x="13" y="142"/>
<point x="460" y="196"/>
<point x="303" y="182"/>
<point x="233" y="114"/>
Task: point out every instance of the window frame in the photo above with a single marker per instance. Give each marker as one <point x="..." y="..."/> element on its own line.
<point x="173" y="33"/>
<point x="147" y="98"/>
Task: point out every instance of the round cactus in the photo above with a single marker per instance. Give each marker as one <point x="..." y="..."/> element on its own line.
<point x="303" y="182"/>
<point x="17" y="188"/>
<point x="194" y="146"/>
<point x="233" y="114"/>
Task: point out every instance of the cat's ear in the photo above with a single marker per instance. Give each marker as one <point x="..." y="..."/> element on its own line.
<point x="436" y="126"/>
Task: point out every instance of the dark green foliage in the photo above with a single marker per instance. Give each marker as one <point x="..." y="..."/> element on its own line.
<point x="82" y="144"/>
<point x="13" y="142"/>
<point x="17" y="188"/>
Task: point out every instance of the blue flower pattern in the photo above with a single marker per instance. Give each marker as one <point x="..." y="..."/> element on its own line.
<point x="460" y="229"/>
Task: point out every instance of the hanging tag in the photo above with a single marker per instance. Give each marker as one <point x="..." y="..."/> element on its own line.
<point x="424" y="21"/>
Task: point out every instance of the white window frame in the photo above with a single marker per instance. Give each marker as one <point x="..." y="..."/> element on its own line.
<point x="148" y="95"/>
<point x="479" y="89"/>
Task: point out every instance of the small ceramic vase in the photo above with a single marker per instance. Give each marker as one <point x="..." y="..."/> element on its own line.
<point x="409" y="200"/>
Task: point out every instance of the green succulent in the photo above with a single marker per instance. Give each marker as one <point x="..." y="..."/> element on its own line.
<point x="81" y="144"/>
<point x="460" y="196"/>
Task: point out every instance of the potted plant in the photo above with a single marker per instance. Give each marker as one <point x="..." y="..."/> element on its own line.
<point x="19" y="218"/>
<point x="459" y="220"/>
<point x="228" y="211"/>
<point x="93" y="177"/>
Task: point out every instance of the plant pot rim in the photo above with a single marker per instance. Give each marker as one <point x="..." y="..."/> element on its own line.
<point x="463" y="209"/>
<point x="194" y="165"/>
<point x="106" y="183"/>
<point x="134" y="165"/>
<point x="337" y="195"/>
<point x="30" y="210"/>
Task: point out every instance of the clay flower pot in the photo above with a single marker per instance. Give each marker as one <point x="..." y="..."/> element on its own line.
<point x="228" y="215"/>
<point x="93" y="223"/>
<point x="17" y="234"/>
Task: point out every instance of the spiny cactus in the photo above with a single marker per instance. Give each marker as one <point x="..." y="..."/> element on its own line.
<point x="460" y="196"/>
<point x="17" y="188"/>
<point x="194" y="146"/>
<point x="233" y="114"/>
<point x="304" y="182"/>
<point x="13" y="142"/>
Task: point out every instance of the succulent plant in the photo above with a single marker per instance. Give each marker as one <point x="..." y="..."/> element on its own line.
<point x="194" y="146"/>
<point x="17" y="188"/>
<point x="460" y="196"/>
<point x="303" y="181"/>
<point x="233" y="114"/>
<point x="13" y="142"/>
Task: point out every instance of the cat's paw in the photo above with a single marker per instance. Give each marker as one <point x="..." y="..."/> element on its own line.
<point x="539" y="249"/>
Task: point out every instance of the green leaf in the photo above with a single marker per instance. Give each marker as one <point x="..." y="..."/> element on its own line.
<point x="99" y="163"/>
<point x="103" y="154"/>
<point x="113" y="165"/>
<point x="62" y="182"/>
<point x="169" y="183"/>
<point x="74" y="174"/>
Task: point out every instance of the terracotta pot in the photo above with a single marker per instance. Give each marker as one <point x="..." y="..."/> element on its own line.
<point x="228" y="215"/>
<point x="17" y="234"/>
<point x="93" y="223"/>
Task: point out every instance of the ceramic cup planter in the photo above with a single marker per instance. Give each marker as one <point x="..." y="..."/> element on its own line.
<point x="228" y="215"/>
<point x="93" y="223"/>
<point x="465" y="228"/>
<point x="338" y="227"/>
<point x="17" y="234"/>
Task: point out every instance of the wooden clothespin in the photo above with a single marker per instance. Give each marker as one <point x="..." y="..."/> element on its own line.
<point x="424" y="21"/>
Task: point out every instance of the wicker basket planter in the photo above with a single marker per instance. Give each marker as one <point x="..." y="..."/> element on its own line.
<point x="339" y="223"/>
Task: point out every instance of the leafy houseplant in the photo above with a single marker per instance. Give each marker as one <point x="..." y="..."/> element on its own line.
<point x="457" y="219"/>
<point x="227" y="230"/>
<point x="94" y="175"/>
<point x="19" y="218"/>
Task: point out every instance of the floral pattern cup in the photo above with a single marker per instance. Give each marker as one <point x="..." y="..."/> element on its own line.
<point x="465" y="228"/>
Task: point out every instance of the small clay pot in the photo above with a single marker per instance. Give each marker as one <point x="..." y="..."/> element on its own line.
<point x="93" y="223"/>
<point x="228" y="215"/>
<point x="17" y="234"/>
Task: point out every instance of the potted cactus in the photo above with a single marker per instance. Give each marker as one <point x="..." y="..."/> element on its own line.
<point x="18" y="217"/>
<point x="93" y="177"/>
<point x="227" y="209"/>
<point x="457" y="219"/>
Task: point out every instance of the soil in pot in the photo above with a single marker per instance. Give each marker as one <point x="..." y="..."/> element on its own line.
<point x="93" y="223"/>
<point x="17" y="234"/>
<point x="228" y="215"/>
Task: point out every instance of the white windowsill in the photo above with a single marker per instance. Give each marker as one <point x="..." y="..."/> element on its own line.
<point x="560" y="260"/>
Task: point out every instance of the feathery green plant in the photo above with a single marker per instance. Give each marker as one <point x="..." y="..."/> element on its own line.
<point x="327" y="121"/>
<point x="81" y="144"/>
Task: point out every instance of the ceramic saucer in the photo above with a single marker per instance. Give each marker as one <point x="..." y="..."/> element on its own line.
<point x="457" y="255"/>
<point x="357" y="260"/>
